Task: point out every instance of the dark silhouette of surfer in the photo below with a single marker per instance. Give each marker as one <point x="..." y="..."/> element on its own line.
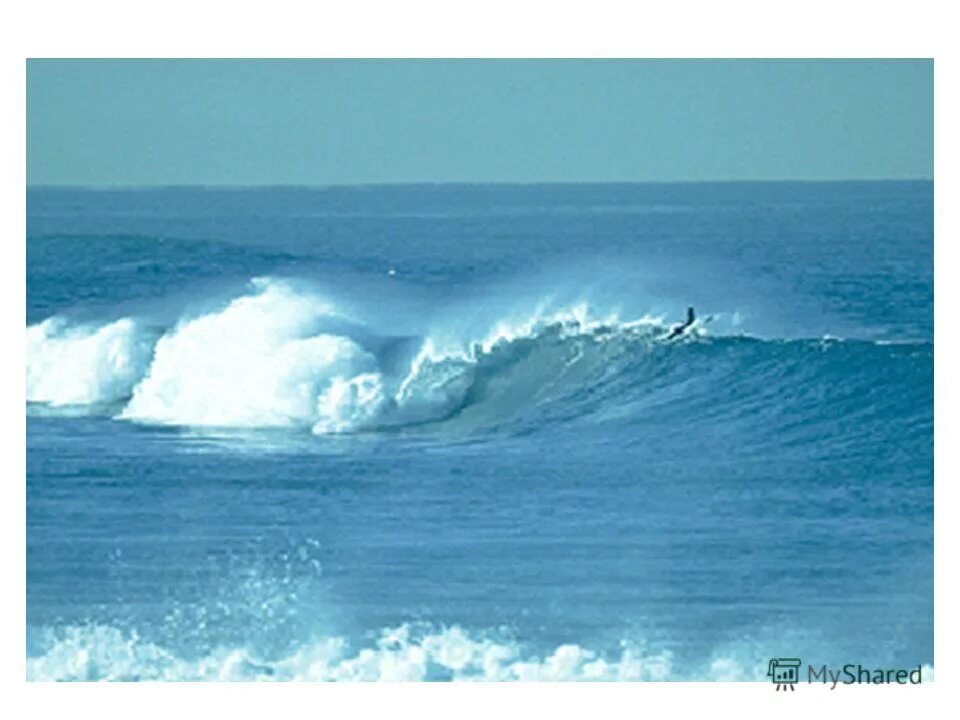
<point x="681" y="328"/>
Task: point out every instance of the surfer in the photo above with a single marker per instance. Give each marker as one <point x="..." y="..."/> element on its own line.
<point x="680" y="328"/>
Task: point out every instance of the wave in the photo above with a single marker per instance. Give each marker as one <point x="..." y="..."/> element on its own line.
<point x="409" y="652"/>
<point x="280" y="356"/>
<point x="262" y="361"/>
<point x="285" y="356"/>
<point x="405" y="653"/>
<point x="85" y="365"/>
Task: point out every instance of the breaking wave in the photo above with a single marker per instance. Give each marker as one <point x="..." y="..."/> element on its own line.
<point x="404" y="653"/>
<point x="284" y="356"/>
<point x="84" y="365"/>
<point x="281" y="356"/>
<point x="408" y="652"/>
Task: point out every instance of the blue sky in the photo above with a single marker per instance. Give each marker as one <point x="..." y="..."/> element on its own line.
<point x="319" y="122"/>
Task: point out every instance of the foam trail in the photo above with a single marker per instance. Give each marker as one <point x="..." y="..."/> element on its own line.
<point x="404" y="653"/>
<point x="408" y="652"/>
<point x="82" y="364"/>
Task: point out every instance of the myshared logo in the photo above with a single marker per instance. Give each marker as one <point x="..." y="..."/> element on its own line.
<point x="785" y="673"/>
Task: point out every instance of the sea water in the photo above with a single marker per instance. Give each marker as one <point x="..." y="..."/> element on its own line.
<point x="440" y="432"/>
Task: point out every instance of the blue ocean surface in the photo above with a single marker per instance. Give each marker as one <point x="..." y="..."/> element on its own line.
<point x="442" y="432"/>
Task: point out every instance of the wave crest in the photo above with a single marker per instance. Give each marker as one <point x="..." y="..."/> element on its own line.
<point x="280" y="356"/>
<point x="259" y="362"/>
<point x="82" y="364"/>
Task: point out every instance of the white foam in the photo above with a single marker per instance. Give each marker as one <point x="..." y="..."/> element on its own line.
<point x="84" y="364"/>
<point x="258" y="362"/>
<point x="578" y="319"/>
<point x="349" y="404"/>
<point x="404" y="653"/>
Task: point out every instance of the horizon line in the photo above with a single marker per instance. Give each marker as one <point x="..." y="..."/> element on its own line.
<point x="431" y="183"/>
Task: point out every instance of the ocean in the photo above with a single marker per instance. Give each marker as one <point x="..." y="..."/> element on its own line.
<point x="442" y="432"/>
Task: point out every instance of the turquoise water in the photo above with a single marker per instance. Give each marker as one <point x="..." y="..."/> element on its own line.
<point x="440" y="432"/>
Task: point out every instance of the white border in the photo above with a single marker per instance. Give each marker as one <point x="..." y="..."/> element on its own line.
<point x="500" y="29"/>
<point x="472" y="28"/>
